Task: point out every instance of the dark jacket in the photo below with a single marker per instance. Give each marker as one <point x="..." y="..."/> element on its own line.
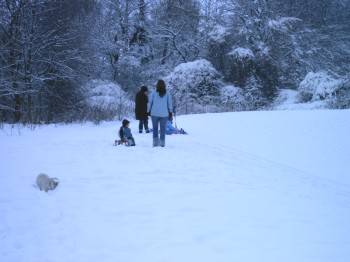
<point x="141" y="101"/>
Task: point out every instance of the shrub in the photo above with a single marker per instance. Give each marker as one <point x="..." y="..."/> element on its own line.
<point x="317" y="86"/>
<point x="341" y="97"/>
<point x="196" y="85"/>
<point x="105" y="101"/>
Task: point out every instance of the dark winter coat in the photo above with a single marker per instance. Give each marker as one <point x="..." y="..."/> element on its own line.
<point x="141" y="101"/>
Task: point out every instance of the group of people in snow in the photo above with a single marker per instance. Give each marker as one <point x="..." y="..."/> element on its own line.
<point x="159" y="106"/>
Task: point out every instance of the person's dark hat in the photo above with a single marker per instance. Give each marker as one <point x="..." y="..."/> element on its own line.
<point x="125" y="122"/>
<point x="144" y="89"/>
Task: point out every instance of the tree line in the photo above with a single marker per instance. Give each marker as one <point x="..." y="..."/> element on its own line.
<point x="50" y="50"/>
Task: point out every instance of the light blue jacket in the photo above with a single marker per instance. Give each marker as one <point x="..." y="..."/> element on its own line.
<point x="169" y="128"/>
<point x="160" y="106"/>
<point x="126" y="133"/>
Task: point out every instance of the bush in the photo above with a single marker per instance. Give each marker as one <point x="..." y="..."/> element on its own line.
<point x="304" y="96"/>
<point x="196" y="85"/>
<point x="232" y="98"/>
<point x="317" y="86"/>
<point x="239" y="66"/>
<point x="341" y="97"/>
<point x="106" y="101"/>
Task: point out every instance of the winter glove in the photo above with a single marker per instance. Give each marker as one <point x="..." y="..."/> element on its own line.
<point x="149" y="113"/>
<point x="170" y="115"/>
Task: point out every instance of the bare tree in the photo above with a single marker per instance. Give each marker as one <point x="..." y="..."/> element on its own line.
<point x="45" y="53"/>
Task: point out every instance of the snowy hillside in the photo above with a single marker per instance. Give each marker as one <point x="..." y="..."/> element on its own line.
<point x="246" y="187"/>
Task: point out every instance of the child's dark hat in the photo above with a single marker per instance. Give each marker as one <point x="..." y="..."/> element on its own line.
<point x="125" y="122"/>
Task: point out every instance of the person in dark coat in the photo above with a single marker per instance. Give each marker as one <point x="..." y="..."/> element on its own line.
<point x="141" y="101"/>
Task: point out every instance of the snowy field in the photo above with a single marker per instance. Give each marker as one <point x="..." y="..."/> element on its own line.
<point x="247" y="187"/>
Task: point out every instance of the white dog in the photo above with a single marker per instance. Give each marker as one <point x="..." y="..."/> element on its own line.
<point x="44" y="182"/>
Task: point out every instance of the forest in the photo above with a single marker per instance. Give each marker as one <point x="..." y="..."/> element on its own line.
<point x="63" y="61"/>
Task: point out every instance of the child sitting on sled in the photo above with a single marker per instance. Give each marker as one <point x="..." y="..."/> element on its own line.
<point x="125" y="134"/>
<point x="170" y="129"/>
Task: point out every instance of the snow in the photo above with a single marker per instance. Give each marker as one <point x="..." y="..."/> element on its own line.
<point x="104" y="94"/>
<point x="230" y="90"/>
<point x="242" y="52"/>
<point x="289" y="100"/>
<point x="247" y="186"/>
<point x="218" y="34"/>
<point x="319" y="84"/>
<point x="283" y="24"/>
<point x="199" y="73"/>
<point x="192" y="69"/>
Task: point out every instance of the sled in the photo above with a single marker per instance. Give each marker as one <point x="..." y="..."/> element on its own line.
<point x="120" y="142"/>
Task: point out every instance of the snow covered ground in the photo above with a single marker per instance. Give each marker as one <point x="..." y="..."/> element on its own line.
<point x="247" y="187"/>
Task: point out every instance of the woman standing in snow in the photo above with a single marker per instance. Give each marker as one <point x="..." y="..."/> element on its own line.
<point x="160" y="107"/>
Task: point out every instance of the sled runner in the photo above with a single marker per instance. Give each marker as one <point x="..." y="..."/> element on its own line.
<point x="120" y="142"/>
<point x="126" y="140"/>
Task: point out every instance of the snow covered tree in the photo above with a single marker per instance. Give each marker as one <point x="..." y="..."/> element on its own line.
<point x="105" y="100"/>
<point x="232" y="99"/>
<point x="19" y="44"/>
<point x="45" y="55"/>
<point x="216" y="28"/>
<point x="49" y="49"/>
<point x="175" y="31"/>
<point x="318" y="86"/>
<point x="321" y="42"/>
<point x="217" y="46"/>
<point x="195" y="87"/>
<point x="270" y="38"/>
<point x="126" y="42"/>
<point x="140" y="42"/>
<point x="341" y="96"/>
<point x="239" y="66"/>
<point x="254" y="97"/>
